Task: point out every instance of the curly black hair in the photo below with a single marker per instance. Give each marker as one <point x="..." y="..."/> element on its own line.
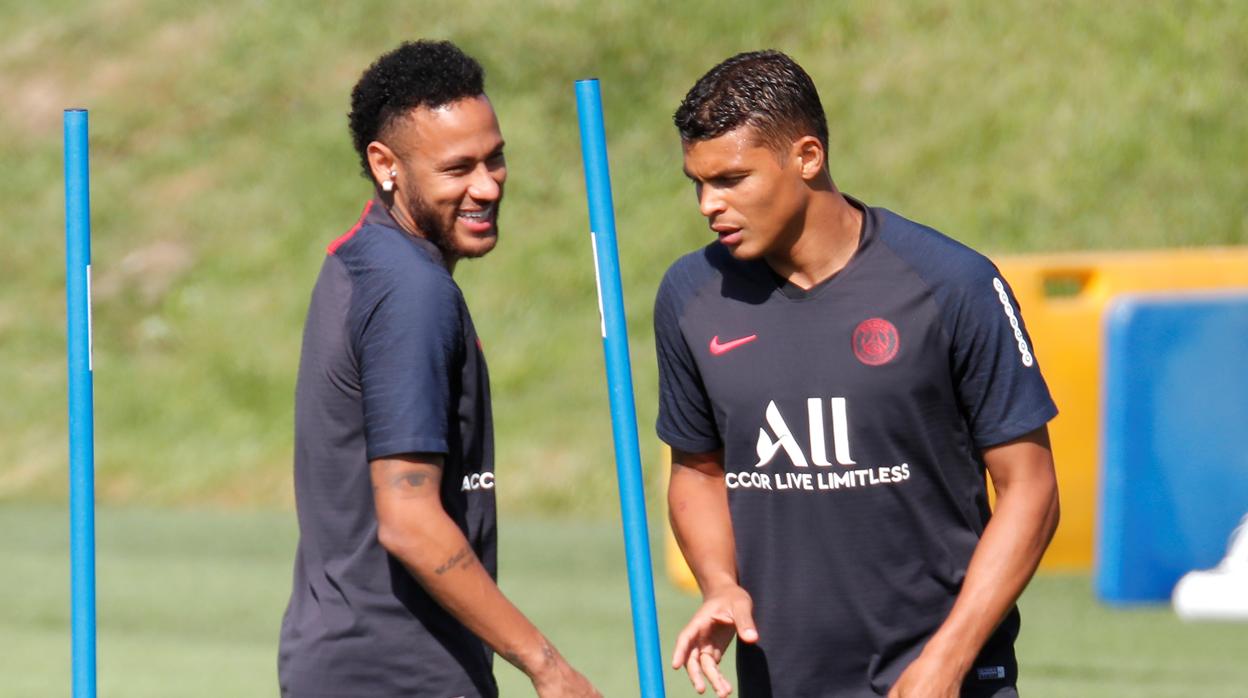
<point x="416" y="74"/>
<point x="764" y="89"/>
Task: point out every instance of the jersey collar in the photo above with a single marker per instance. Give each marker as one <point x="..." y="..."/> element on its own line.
<point x="378" y="214"/>
<point x="865" y="238"/>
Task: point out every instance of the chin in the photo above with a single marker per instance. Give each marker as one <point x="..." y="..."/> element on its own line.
<point x="743" y="252"/>
<point x="476" y="246"/>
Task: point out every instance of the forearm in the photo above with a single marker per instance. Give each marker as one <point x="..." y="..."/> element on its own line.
<point x="437" y="554"/>
<point x="413" y="526"/>
<point x="1004" y="561"/>
<point x="698" y="505"/>
<point x="698" y="509"/>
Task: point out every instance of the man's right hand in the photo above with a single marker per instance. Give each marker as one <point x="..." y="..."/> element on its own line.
<point x="701" y="645"/>
<point x="562" y="681"/>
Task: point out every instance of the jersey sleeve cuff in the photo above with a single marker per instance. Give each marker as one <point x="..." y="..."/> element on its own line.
<point x="689" y="445"/>
<point x="1020" y="427"/>
<point x="403" y="446"/>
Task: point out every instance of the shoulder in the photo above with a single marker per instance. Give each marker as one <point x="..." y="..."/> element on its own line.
<point x="691" y="274"/>
<point x="398" y="290"/>
<point x="691" y="270"/>
<point x="945" y="264"/>
<point x="383" y="261"/>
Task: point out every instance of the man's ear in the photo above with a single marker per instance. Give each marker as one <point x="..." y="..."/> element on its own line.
<point x="381" y="161"/>
<point x="811" y="156"/>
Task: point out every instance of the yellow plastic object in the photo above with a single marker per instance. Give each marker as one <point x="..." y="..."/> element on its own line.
<point x="1063" y="298"/>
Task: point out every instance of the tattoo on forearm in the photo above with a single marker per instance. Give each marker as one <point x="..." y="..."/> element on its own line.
<point x="410" y="479"/>
<point x="464" y="559"/>
<point x="549" y="655"/>
<point x="403" y="480"/>
<point x="547" y="658"/>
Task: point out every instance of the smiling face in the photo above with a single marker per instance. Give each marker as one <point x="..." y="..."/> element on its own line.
<point x="753" y="195"/>
<point x="450" y="174"/>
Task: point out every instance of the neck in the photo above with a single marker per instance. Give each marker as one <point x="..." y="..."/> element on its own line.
<point x="405" y="220"/>
<point x="825" y="236"/>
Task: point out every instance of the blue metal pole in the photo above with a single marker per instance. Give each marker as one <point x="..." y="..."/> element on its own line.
<point x="81" y="410"/>
<point x="620" y="388"/>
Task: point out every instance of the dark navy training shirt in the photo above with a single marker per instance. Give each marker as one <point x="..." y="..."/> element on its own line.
<point x="852" y="418"/>
<point x="390" y="365"/>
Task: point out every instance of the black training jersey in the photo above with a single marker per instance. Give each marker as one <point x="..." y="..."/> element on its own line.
<point x="390" y="365"/>
<point x="852" y="418"/>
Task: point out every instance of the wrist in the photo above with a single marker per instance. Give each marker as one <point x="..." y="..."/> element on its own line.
<point x="718" y="584"/>
<point x="539" y="661"/>
<point x="949" y="652"/>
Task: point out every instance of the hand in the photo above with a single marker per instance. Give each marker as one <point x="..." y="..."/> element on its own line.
<point x="562" y="681"/>
<point x="929" y="677"/>
<point x="700" y="646"/>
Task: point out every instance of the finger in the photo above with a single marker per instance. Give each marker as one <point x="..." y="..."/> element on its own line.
<point x="743" y="616"/>
<point x="680" y="655"/>
<point x="710" y="667"/>
<point x="695" y="671"/>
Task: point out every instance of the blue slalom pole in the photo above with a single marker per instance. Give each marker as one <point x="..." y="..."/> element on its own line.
<point x="620" y="388"/>
<point x="81" y="409"/>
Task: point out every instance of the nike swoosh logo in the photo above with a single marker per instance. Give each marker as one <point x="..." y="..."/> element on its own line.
<point x="717" y="348"/>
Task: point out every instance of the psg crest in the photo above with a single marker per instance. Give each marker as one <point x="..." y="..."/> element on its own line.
<point x="875" y="341"/>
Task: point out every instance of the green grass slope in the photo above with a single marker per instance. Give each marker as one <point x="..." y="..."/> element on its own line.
<point x="190" y="603"/>
<point x="222" y="167"/>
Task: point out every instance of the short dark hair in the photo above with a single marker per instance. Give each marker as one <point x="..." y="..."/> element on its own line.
<point x="763" y="89"/>
<point x="416" y="74"/>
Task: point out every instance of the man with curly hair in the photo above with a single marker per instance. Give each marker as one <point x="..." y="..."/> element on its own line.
<point x="834" y="381"/>
<point x="394" y="589"/>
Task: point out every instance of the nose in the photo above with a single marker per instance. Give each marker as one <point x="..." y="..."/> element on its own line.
<point x="709" y="201"/>
<point x="487" y="183"/>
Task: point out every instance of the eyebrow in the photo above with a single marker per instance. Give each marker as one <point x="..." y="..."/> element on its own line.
<point x="722" y="174"/>
<point x="464" y="160"/>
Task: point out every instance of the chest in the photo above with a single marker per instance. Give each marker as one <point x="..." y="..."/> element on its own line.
<point x="869" y="344"/>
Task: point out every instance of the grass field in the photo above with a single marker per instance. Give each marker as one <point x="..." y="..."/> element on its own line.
<point x="190" y="603"/>
<point x="222" y="167"/>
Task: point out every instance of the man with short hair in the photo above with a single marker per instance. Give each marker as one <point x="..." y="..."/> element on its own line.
<point x="394" y="588"/>
<point x="834" y="381"/>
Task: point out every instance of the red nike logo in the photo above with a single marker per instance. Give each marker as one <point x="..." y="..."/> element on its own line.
<point x="717" y="348"/>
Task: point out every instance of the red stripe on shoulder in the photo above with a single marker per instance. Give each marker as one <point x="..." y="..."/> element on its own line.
<point x="333" y="246"/>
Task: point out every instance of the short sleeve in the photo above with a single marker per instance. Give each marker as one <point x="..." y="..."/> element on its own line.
<point x="686" y="420"/>
<point x="999" y="384"/>
<point x="409" y="334"/>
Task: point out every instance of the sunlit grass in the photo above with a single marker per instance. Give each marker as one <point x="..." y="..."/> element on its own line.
<point x="221" y="167"/>
<point x="190" y="603"/>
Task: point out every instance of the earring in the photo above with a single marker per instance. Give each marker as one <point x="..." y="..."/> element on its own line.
<point x="387" y="186"/>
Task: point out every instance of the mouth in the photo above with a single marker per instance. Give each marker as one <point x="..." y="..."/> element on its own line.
<point x="477" y="220"/>
<point x="728" y="234"/>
